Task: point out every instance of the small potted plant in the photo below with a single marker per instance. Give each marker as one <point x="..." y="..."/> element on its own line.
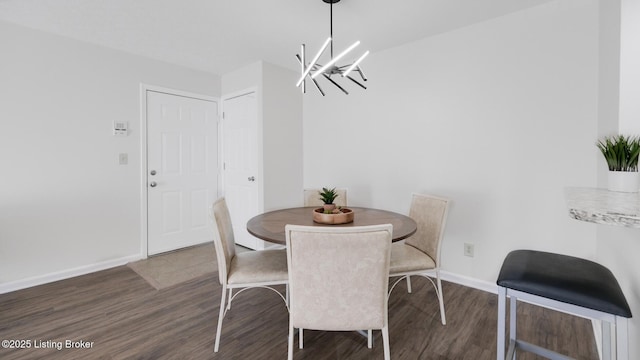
<point x="621" y="153"/>
<point x="327" y="196"/>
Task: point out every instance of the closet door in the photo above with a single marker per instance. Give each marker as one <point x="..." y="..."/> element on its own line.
<point x="241" y="156"/>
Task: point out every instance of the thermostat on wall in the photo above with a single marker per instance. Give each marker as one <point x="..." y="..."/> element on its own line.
<point x="120" y="128"/>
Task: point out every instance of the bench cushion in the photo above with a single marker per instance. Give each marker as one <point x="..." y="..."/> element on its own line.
<point x="564" y="278"/>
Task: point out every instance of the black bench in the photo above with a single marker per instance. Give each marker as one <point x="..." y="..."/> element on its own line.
<point x="564" y="283"/>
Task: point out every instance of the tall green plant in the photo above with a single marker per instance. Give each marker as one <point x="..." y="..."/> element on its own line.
<point x="620" y="151"/>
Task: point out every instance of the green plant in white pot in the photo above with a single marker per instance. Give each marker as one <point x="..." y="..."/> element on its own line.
<point x="621" y="153"/>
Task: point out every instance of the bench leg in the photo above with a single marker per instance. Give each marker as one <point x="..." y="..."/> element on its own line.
<point x="502" y="319"/>
<point x="606" y="340"/>
<point x="622" y="338"/>
<point x="513" y="303"/>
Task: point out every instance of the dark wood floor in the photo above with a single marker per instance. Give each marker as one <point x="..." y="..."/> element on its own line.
<point x="126" y="318"/>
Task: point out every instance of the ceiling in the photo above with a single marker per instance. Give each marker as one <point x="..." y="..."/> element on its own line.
<point x="219" y="36"/>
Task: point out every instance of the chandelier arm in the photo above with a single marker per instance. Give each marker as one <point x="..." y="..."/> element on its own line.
<point x="335" y="83"/>
<point x="315" y="58"/>
<point x="314" y="67"/>
<point x="302" y="61"/>
<point x="317" y="86"/>
<point x="304" y="87"/>
<point x="304" y="90"/>
<point x="359" y="70"/>
<point x="355" y="81"/>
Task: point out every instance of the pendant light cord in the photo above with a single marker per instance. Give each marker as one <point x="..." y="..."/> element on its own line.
<point x="331" y="26"/>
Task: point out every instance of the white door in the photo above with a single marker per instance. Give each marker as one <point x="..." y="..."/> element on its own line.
<point x="182" y="170"/>
<point x="240" y="157"/>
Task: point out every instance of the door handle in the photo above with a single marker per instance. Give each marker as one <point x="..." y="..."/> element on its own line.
<point x="252" y="178"/>
<point x="153" y="184"/>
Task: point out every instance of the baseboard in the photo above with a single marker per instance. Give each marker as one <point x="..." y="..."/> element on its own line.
<point x="65" y="274"/>
<point x="487" y="286"/>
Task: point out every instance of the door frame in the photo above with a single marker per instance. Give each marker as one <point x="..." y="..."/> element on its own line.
<point x="144" y="214"/>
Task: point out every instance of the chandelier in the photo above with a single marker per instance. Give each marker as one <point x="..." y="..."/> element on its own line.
<point x="313" y="69"/>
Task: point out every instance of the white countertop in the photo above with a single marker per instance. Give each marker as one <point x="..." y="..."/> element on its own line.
<point x="602" y="206"/>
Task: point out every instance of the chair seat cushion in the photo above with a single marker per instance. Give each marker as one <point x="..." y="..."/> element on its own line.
<point x="406" y="258"/>
<point x="258" y="267"/>
<point x="564" y="278"/>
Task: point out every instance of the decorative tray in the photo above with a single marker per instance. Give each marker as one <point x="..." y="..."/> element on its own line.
<point x="344" y="216"/>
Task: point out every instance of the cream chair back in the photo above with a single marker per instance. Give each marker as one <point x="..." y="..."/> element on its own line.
<point x="338" y="277"/>
<point x="312" y="197"/>
<point x="430" y="213"/>
<point x="223" y="239"/>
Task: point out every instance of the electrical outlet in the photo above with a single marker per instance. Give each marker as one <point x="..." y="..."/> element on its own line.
<point x="468" y="249"/>
<point x="123" y="158"/>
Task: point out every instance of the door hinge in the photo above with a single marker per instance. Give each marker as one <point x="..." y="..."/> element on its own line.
<point x="223" y="115"/>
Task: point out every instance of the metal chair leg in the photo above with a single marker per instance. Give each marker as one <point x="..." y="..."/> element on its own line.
<point x="290" y="347"/>
<point x="443" y="317"/>
<point x="220" y="318"/>
<point x="385" y="343"/>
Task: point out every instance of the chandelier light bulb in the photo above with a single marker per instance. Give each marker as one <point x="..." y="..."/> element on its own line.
<point x="313" y="62"/>
<point x="335" y="59"/>
<point x="353" y="66"/>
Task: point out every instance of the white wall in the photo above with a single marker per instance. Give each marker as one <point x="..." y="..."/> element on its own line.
<point x="242" y="79"/>
<point x="66" y="206"/>
<point x="618" y="248"/>
<point x="500" y="116"/>
<point x="629" y="69"/>
<point x="282" y="138"/>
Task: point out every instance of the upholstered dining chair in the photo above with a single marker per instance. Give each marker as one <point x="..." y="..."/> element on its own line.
<point x="312" y="197"/>
<point x="244" y="270"/>
<point x="338" y="279"/>
<point x="420" y="253"/>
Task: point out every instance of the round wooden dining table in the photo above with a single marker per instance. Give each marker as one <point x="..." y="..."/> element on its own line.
<point x="270" y="225"/>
